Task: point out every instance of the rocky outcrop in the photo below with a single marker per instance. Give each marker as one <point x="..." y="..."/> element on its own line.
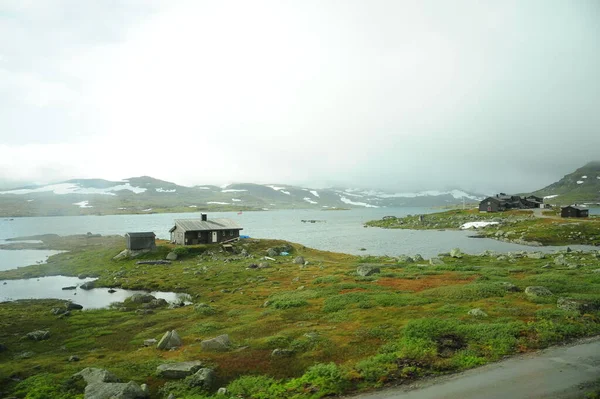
<point x="456" y="253"/>
<point x="367" y="270"/>
<point x="177" y="371"/>
<point x="217" y="344"/>
<point x="477" y="313"/>
<point x="537" y="291"/>
<point x="93" y="375"/>
<point x="169" y="340"/>
<point x="203" y="378"/>
<point x="171" y="256"/>
<point x="299" y="260"/>
<point x="436" y="262"/>
<point x="39" y="335"/>
<point x="115" y="390"/>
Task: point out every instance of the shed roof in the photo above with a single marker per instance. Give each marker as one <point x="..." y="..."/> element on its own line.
<point x="211" y="224"/>
<point x="141" y="234"/>
<point x="579" y="208"/>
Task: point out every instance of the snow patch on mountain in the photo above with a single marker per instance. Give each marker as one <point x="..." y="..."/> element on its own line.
<point x="83" y="204"/>
<point x="276" y="188"/>
<point x="236" y="200"/>
<point x="350" y="202"/>
<point x="72" y="188"/>
<point x="232" y="190"/>
<point x="217" y="203"/>
<point x="310" y="201"/>
<point x="457" y="194"/>
<point x="162" y="190"/>
<point x="314" y="192"/>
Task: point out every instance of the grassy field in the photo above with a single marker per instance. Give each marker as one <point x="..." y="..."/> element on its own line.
<point x="519" y="226"/>
<point x="345" y="332"/>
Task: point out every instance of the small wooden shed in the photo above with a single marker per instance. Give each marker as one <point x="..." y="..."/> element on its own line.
<point x="141" y="240"/>
<point x="491" y="204"/>
<point x="574" y="211"/>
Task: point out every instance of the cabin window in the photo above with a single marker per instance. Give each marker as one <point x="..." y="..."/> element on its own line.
<point x="231" y="233"/>
<point x="224" y="232"/>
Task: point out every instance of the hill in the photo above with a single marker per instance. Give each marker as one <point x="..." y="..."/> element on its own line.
<point x="149" y="195"/>
<point x="582" y="186"/>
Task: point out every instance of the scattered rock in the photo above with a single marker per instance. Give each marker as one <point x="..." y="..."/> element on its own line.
<point x="510" y="287"/>
<point x="94" y="375"/>
<point x="477" y="313"/>
<point x="203" y="378"/>
<point x="502" y="258"/>
<point x="456" y="253"/>
<point x="537" y="291"/>
<point x="38" y="335"/>
<point x="156" y="303"/>
<point x="178" y="371"/>
<point x="263" y="265"/>
<point x="560" y="260"/>
<point x="573" y="266"/>
<point x="436" y="262"/>
<point x="536" y="255"/>
<point x="171" y="256"/>
<point x="418" y="258"/>
<point x="299" y="260"/>
<point x="367" y="270"/>
<point x="88" y="285"/>
<point x="169" y="340"/>
<point x="220" y="343"/>
<point x="272" y="252"/>
<point x="150" y="342"/>
<point x="222" y="391"/>
<point x="114" y="390"/>
<point x="282" y="352"/>
<point x="141" y="298"/>
<point x="73" y="306"/>
<point x="405" y="259"/>
<point x="575" y="305"/>
<point x="74" y="358"/>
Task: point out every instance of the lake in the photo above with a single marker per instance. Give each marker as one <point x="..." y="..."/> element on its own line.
<point x="339" y="231"/>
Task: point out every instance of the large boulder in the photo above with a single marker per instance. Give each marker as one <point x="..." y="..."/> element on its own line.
<point x="203" y="378"/>
<point x="535" y="255"/>
<point x="418" y="258"/>
<point x="141" y="298"/>
<point x="73" y="306"/>
<point x="38" y="335"/>
<point x="93" y="375"/>
<point x="456" y="253"/>
<point x="282" y="352"/>
<point x="272" y="252"/>
<point x="560" y="260"/>
<point x="88" y="285"/>
<point x="217" y="344"/>
<point x="115" y="390"/>
<point x="178" y="371"/>
<point x="299" y="260"/>
<point x="367" y="270"/>
<point x="405" y="259"/>
<point x="537" y="291"/>
<point x="171" y="256"/>
<point x="169" y="340"/>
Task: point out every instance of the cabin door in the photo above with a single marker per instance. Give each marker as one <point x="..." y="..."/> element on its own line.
<point x="214" y="236"/>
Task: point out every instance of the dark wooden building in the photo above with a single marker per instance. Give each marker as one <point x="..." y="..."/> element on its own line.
<point x="574" y="211"/>
<point x="492" y="204"/>
<point x="138" y="241"/>
<point x="204" y="231"/>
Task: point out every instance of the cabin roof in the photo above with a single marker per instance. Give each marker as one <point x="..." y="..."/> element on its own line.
<point x="141" y="234"/>
<point x="579" y="208"/>
<point x="200" y="225"/>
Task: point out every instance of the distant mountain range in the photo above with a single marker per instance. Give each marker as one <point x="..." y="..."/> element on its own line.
<point x="581" y="186"/>
<point x="148" y="195"/>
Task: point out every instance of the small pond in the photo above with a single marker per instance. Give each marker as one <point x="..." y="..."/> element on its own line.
<point x="52" y="288"/>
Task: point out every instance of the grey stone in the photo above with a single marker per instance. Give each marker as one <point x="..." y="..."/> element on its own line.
<point x="203" y="378"/>
<point x="150" y="342"/>
<point x="502" y="258"/>
<point x="156" y="303"/>
<point x="73" y="306"/>
<point x="418" y="258"/>
<point x="477" y="313"/>
<point x="405" y="259"/>
<point x="141" y="298"/>
<point x="282" y="352"/>
<point x="88" y="285"/>
<point x="263" y="265"/>
<point x="220" y="343"/>
<point x="171" y="256"/>
<point x="456" y="253"/>
<point x="299" y="260"/>
<point x="222" y="391"/>
<point x="536" y="255"/>
<point x="367" y="270"/>
<point x="510" y="287"/>
<point x="436" y="262"/>
<point x="169" y="340"/>
<point x="560" y="260"/>
<point x="537" y="291"/>
<point x="178" y="370"/>
<point x="74" y="358"/>
<point x="272" y="252"/>
<point x="38" y="335"/>
<point x="94" y="375"/>
<point x="573" y="266"/>
<point x="114" y="390"/>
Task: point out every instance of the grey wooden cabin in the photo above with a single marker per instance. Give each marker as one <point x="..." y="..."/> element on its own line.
<point x="142" y="240"/>
<point x="204" y="231"/>
<point x="574" y="211"/>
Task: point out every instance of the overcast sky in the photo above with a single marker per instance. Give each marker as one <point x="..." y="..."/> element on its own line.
<point x="404" y="95"/>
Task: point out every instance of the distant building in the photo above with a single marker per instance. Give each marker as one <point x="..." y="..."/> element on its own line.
<point x="574" y="211"/>
<point x="501" y="202"/>
<point x="204" y="231"/>
<point x="138" y="241"/>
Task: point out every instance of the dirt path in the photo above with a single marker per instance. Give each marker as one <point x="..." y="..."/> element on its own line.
<point x="562" y="372"/>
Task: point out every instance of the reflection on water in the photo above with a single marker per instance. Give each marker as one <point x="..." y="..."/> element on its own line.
<point x="51" y="288"/>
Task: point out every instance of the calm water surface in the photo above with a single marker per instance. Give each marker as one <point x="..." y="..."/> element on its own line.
<point x="51" y="287"/>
